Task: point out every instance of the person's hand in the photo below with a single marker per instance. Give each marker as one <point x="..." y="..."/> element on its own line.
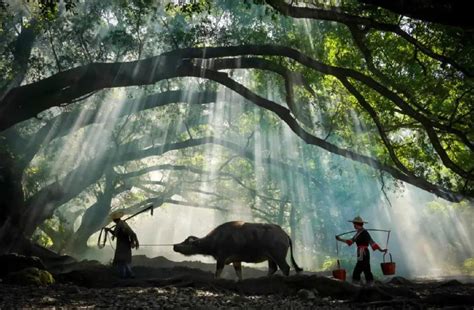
<point x="137" y="245"/>
<point x="384" y="250"/>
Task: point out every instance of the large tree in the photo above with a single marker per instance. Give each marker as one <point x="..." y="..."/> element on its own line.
<point x="408" y="81"/>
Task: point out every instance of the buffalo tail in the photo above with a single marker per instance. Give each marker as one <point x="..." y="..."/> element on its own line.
<point x="298" y="269"/>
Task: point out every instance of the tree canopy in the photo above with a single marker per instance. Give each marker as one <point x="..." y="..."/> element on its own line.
<point x="133" y="87"/>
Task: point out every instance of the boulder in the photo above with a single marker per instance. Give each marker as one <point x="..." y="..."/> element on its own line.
<point x="399" y="281"/>
<point x="306" y="294"/>
<point x="13" y="262"/>
<point x="450" y="283"/>
<point x="30" y="276"/>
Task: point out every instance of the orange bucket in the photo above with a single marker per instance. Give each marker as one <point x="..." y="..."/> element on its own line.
<point x="388" y="268"/>
<point x="339" y="273"/>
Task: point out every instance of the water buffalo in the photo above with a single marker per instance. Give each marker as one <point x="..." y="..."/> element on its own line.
<point x="236" y="242"/>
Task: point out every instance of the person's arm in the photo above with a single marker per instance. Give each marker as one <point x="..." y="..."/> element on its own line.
<point x="133" y="237"/>
<point x="110" y="230"/>
<point x="375" y="246"/>
<point x="349" y="242"/>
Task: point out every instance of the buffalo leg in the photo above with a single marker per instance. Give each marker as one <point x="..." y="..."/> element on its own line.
<point x="238" y="269"/>
<point x="284" y="267"/>
<point x="272" y="267"/>
<point x="219" y="267"/>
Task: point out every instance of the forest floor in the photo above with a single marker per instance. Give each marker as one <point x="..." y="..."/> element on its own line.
<point x="160" y="283"/>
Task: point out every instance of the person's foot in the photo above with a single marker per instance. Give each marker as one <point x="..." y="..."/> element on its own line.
<point x="370" y="284"/>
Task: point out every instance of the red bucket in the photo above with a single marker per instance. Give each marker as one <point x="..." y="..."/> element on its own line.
<point x="339" y="273"/>
<point x="388" y="268"/>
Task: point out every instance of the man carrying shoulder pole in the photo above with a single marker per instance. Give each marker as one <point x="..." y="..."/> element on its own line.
<point x="126" y="240"/>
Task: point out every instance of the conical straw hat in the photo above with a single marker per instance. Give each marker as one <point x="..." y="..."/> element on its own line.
<point x="358" y="220"/>
<point x="116" y="215"/>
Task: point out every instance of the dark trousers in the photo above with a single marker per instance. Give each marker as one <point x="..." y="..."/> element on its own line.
<point x="363" y="266"/>
<point x="125" y="271"/>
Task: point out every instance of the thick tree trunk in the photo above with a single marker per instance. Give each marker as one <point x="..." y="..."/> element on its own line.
<point x="11" y="203"/>
<point x="93" y="219"/>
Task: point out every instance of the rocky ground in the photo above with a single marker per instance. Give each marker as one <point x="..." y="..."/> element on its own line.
<point x="72" y="296"/>
<point x="160" y="283"/>
<point x="61" y="295"/>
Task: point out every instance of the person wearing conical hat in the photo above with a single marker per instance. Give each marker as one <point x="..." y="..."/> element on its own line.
<point x="362" y="239"/>
<point x="126" y="240"/>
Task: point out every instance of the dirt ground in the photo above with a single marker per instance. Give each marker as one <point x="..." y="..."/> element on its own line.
<point x="160" y="283"/>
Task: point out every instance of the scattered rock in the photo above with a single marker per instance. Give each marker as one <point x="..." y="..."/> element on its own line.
<point x="306" y="294"/>
<point x="399" y="281"/>
<point x="237" y="299"/>
<point x="48" y="300"/>
<point x="73" y="289"/>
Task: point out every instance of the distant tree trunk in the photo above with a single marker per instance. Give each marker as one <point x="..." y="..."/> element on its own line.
<point x="59" y="238"/>
<point x="293" y="222"/>
<point x="281" y="211"/>
<point x="93" y="219"/>
<point x="21" y="55"/>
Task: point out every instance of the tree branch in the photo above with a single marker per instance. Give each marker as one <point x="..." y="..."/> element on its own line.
<point x="70" y="84"/>
<point x="378" y="124"/>
<point x="347" y="19"/>
<point x="285" y="115"/>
